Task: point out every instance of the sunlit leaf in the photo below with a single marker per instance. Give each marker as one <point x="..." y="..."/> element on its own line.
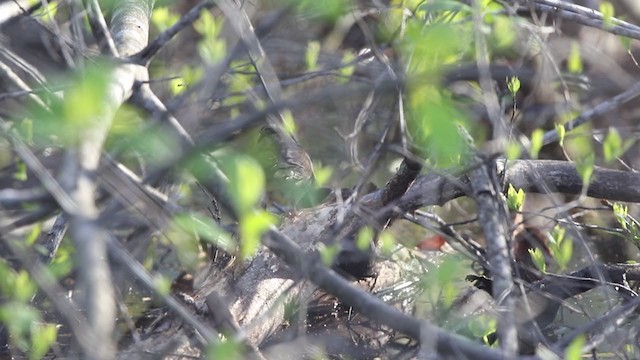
<point x="515" y="198"/>
<point x="31" y="238"/>
<point x="561" y="133"/>
<point x="565" y="253"/>
<point x="327" y="10"/>
<point x="212" y="47"/>
<point x="328" y="253"/>
<point x="579" y="145"/>
<point x="42" y="337"/>
<point x="48" y="12"/>
<point x="177" y="85"/>
<point x="387" y="243"/>
<point x="574" y="61"/>
<point x="620" y="211"/>
<point x="536" y="142"/>
<point x="246" y="180"/>
<point x="364" y="238"/>
<point x="435" y="122"/>
<point x="513" y="84"/>
<point x="225" y="350"/>
<point x="612" y="145"/>
<point x="557" y="235"/>
<point x="288" y="122"/>
<point x="503" y="32"/>
<point x="206" y="230"/>
<point x="26" y="131"/>
<point x="584" y="167"/>
<point x="85" y="100"/>
<point x="311" y="55"/>
<point x="24" y="287"/>
<point x="513" y="151"/>
<point x="252" y="226"/>
<point x="537" y="256"/>
<point x="322" y="174"/>
<point x="574" y="350"/>
<point x="444" y="5"/>
<point x="162" y="285"/>
<point x="21" y="171"/>
<point x="347" y="70"/>
<point x="18" y="318"/>
<point x="163" y="18"/>
<point x="482" y="326"/>
<point x="607" y="10"/>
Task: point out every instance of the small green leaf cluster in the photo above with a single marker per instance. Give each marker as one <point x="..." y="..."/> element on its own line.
<point x="24" y="323"/>
<point x="81" y="109"/>
<point x="613" y="147"/>
<point x="247" y="185"/>
<point x="212" y="47"/>
<point x="561" y="247"/>
<point x="163" y="18"/>
<point x="629" y="224"/>
<point x="515" y="198"/>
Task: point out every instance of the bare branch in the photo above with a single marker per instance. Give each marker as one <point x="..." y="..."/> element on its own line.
<point x="493" y="219"/>
<point x="145" y="55"/>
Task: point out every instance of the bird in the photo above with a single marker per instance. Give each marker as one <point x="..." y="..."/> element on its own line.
<point x="290" y="175"/>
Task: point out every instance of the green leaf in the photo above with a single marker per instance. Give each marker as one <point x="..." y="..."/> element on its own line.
<point x="311" y="55"/>
<point x="612" y="145"/>
<point x="207" y="25"/>
<point x="47" y="13"/>
<point x="328" y="253"/>
<point x="24" y="288"/>
<point x="21" y="171"/>
<point x="504" y="33"/>
<point x="620" y="211"/>
<point x="364" y="238"/>
<point x="225" y="350"/>
<point x="536" y="142"/>
<point x="561" y="133"/>
<point x="18" y="318"/>
<point x="584" y="167"/>
<point x="31" y="238"/>
<point x="387" y="243"/>
<point x="26" y="131"/>
<point x="212" y="47"/>
<point x="84" y="101"/>
<point x="626" y="42"/>
<point x="163" y="18"/>
<point x="565" y="253"/>
<point x="162" y="285"/>
<point x="513" y="84"/>
<point x="445" y="5"/>
<point x="252" y="226"/>
<point x="574" y="61"/>
<point x="435" y="123"/>
<point x="327" y="10"/>
<point x="607" y="11"/>
<point x="205" y="229"/>
<point x="7" y="278"/>
<point x="513" y="151"/>
<point x="347" y="70"/>
<point x="177" y="85"/>
<point x="537" y="256"/>
<point x="246" y="181"/>
<point x="288" y="122"/>
<point x="42" y="337"/>
<point x="515" y="199"/>
<point x="322" y="174"/>
<point x="557" y="235"/>
<point x="574" y="350"/>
